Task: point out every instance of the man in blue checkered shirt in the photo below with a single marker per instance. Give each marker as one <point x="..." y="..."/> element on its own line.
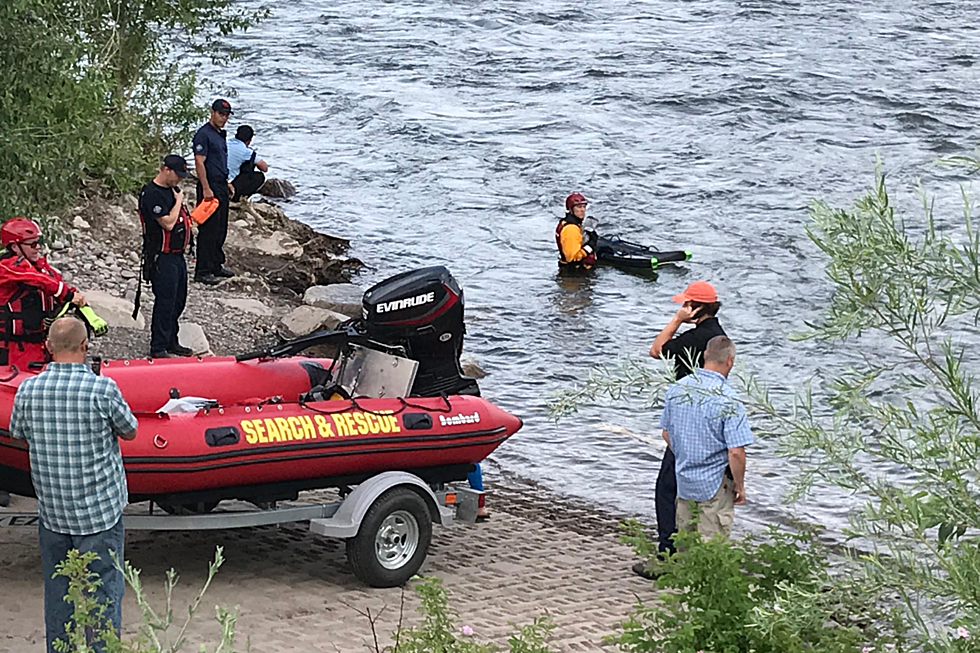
<point x="705" y="425"/>
<point x="72" y="419"/>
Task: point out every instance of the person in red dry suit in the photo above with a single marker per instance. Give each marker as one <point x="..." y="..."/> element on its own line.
<point x="30" y="290"/>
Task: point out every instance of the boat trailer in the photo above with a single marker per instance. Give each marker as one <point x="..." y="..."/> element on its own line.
<point x="386" y="522"/>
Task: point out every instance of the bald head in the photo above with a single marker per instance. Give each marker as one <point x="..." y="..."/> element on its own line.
<point x="719" y="356"/>
<point x="65" y="338"/>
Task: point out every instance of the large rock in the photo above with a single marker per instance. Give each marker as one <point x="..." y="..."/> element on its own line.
<point x="251" y="306"/>
<point x="341" y="297"/>
<point x="307" y="319"/>
<point x="277" y="188"/>
<point x="278" y="244"/>
<point x="470" y="367"/>
<point x="192" y="335"/>
<point x="117" y="312"/>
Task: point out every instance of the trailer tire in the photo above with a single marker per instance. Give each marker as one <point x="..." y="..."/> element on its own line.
<point x="392" y="540"/>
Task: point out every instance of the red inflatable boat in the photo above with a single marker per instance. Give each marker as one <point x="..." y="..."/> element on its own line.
<point x="274" y="423"/>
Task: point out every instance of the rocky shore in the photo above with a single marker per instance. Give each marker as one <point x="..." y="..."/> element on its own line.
<point x="279" y="262"/>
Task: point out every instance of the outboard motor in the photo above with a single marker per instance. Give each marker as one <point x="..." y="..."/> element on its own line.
<point x="422" y="311"/>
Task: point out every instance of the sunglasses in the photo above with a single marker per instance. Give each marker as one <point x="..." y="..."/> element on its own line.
<point x="36" y="243"/>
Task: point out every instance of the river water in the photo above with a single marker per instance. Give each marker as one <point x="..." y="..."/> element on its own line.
<point x="439" y="132"/>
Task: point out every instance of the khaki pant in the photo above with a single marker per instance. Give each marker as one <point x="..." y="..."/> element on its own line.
<point x="716" y="514"/>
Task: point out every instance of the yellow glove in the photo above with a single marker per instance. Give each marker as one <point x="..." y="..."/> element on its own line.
<point x="99" y="326"/>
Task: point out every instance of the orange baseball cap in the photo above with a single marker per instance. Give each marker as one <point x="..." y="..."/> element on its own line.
<point x="699" y="291"/>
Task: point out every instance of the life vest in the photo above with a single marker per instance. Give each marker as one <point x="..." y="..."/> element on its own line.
<point x="174" y="241"/>
<point x="571" y="221"/>
<point x="568" y="220"/>
<point x="26" y="306"/>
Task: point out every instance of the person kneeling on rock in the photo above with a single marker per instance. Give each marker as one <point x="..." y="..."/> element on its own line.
<point x="30" y="291"/>
<point x="166" y="233"/>
<point x="242" y="164"/>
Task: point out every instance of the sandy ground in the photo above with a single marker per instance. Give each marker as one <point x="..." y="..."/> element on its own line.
<point x="540" y="554"/>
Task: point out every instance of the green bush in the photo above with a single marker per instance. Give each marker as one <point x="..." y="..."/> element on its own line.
<point x="90" y="90"/>
<point x="92" y="629"/>
<point x="726" y="597"/>
<point x="438" y="632"/>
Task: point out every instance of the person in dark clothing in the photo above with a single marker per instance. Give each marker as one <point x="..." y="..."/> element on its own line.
<point x="211" y="164"/>
<point x="699" y="306"/>
<point x="245" y="170"/>
<point x="166" y="233"/>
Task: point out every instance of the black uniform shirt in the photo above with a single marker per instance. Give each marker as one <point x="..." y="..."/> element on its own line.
<point x="211" y="143"/>
<point x="691" y="344"/>
<point x="155" y="203"/>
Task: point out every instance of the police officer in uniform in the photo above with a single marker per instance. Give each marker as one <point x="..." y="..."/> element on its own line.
<point x="576" y="250"/>
<point x="211" y="163"/>
<point x="166" y="233"/>
<point x="30" y="292"/>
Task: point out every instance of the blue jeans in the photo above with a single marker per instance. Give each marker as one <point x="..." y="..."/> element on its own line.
<point x="54" y="549"/>
<point x="666" y="501"/>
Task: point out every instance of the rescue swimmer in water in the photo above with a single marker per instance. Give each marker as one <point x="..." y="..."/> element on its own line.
<point x="576" y="248"/>
<point x="580" y="249"/>
<point x="32" y="295"/>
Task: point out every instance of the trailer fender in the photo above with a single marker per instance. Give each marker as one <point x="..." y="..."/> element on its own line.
<point x="347" y="520"/>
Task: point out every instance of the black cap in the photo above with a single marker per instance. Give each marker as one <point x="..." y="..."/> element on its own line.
<point x="177" y="163"/>
<point x="221" y="106"/>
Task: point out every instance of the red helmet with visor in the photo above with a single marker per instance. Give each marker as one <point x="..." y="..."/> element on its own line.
<point x="18" y="230"/>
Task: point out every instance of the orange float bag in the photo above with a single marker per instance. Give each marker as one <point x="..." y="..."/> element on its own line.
<point x="203" y="211"/>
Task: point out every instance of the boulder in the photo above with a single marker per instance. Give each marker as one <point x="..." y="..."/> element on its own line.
<point x="307" y="319"/>
<point x="470" y="367"/>
<point x="251" y="306"/>
<point x="79" y="222"/>
<point x="192" y="335"/>
<point x="117" y="312"/>
<point x="341" y="297"/>
<point x="278" y="244"/>
<point x="277" y="188"/>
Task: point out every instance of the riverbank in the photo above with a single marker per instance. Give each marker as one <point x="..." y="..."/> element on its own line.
<point x="539" y="555"/>
<point x="276" y="257"/>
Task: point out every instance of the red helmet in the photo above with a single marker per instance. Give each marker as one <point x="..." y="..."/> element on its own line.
<point x="574" y="200"/>
<point x="18" y="230"/>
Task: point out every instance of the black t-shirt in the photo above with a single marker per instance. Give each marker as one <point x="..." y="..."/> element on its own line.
<point x="691" y="344"/>
<point x="155" y="203"/>
<point x="211" y="143"/>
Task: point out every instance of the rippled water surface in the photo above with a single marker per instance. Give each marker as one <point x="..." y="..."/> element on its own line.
<point x="450" y="132"/>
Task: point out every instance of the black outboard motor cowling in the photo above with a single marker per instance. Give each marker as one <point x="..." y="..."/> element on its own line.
<point x="422" y="311"/>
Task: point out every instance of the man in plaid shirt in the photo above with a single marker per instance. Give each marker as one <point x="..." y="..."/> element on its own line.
<point x="72" y="419"/>
<point x="705" y="425"/>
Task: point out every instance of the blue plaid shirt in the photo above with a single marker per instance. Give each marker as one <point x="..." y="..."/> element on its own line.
<point x="70" y="418"/>
<point x="704" y="418"/>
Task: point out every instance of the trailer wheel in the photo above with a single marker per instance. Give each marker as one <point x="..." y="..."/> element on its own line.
<point x="392" y="540"/>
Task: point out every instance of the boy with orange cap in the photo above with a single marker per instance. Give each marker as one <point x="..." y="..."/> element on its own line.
<point x="699" y="306"/>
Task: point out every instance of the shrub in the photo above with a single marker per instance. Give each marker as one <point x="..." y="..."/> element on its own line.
<point x="92" y="629"/>
<point x="438" y="632"/>
<point x="719" y="593"/>
<point x="91" y="91"/>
